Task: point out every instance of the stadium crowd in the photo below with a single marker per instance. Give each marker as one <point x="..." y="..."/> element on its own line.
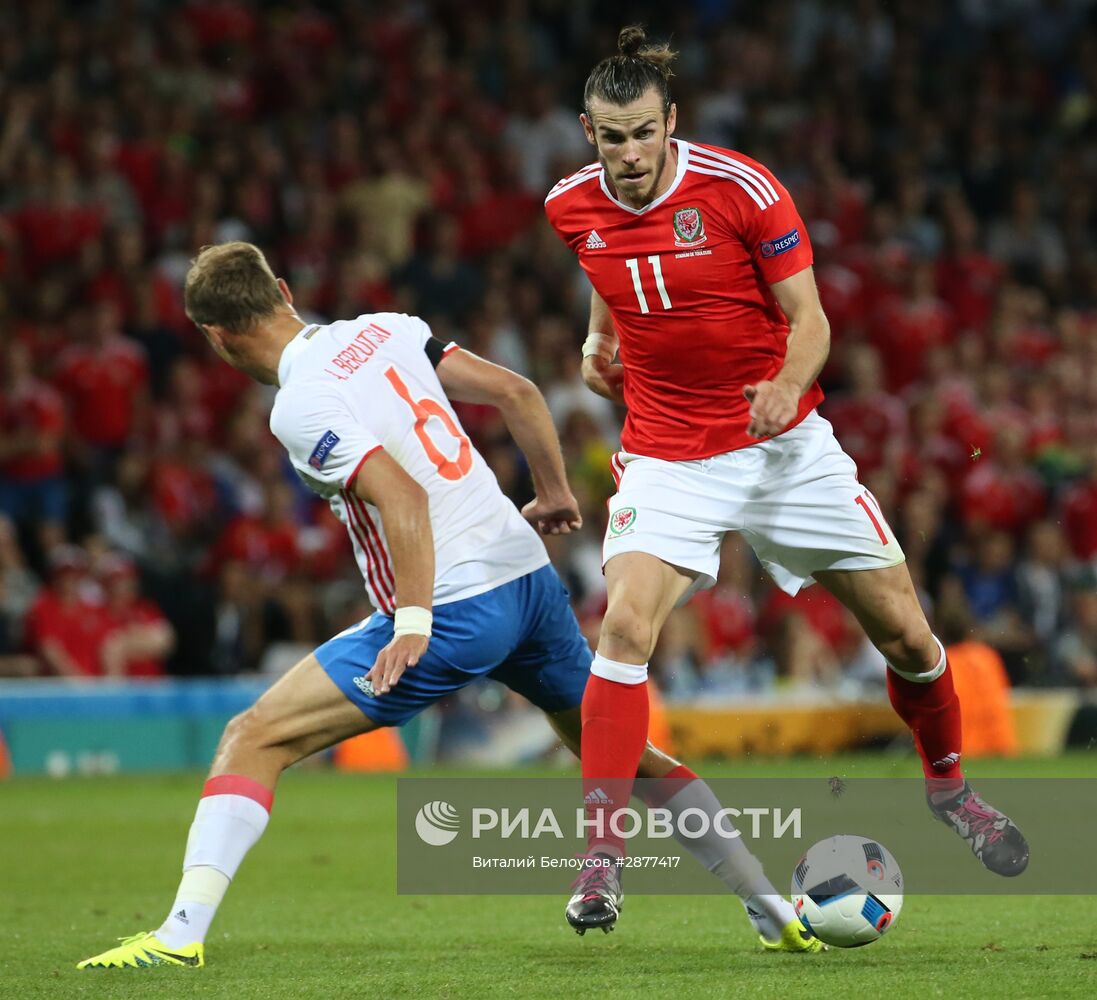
<point x="395" y="157"/>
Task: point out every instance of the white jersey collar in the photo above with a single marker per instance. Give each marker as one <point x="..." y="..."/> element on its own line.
<point x="683" y="160"/>
<point x="293" y="349"/>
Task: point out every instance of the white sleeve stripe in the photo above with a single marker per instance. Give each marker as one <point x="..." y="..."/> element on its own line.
<point x="564" y="190"/>
<point x="724" y="168"/>
<point x="372" y="574"/>
<point x="589" y="168"/>
<point x="386" y="565"/>
<point x="571" y="182"/>
<point x="361" y="543"/>
<point x="374" y="535"/>
<point x="758" y="177"/>
<point x="732" y="177"/>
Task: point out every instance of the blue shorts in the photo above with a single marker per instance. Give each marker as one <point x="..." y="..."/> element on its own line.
<point x="522" y="634"/>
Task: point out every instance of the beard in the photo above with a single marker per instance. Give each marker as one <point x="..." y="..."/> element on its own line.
<point x="639" y="197"/>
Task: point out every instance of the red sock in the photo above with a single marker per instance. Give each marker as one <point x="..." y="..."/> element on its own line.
<point x="933" y="713"/>
<point x="615" y="732"/>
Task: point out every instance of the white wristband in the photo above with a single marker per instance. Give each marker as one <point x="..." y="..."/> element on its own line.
<point x="601" y="344"/>
<point x="412" y="621"/>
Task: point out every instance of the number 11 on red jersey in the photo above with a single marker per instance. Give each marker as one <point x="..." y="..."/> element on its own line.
<point x="633" y="264"/>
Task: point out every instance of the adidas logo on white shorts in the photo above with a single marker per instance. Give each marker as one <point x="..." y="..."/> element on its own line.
<point x="595" y="242"/>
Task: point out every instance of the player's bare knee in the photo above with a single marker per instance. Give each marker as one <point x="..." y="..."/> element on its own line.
<point x="912" y="649"/>
<point x="252" y="731"/>
<point x="626" y="635"/>
<point x="234" y="733"/>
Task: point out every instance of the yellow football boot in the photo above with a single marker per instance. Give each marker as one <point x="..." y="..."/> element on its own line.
<point x="144" y="950"/>
<point x="795" y="937"/>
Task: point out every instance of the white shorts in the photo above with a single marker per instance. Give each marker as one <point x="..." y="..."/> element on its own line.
<point x="794" y="498"/>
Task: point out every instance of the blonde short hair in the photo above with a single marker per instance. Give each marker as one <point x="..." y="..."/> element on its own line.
<point x="231" y="285"/>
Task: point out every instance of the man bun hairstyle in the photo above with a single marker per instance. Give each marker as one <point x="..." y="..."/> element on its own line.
<point x="231" y="285"/>
<point x="627" y="76"/>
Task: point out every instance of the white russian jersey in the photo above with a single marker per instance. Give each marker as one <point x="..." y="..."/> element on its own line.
<point x="355" y="386"/>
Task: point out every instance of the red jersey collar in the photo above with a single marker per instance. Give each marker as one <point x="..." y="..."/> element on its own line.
<point x="683" y="159"/>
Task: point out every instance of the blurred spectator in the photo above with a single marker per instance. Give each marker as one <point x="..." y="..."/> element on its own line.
<point x="56" y="220"/>
<point x="587" y="454"/>
<point x="32" y="423"/>
<point x="1080" y="511"/>
<point x="20" y="584"/>
<point x="809" y="636"/>
<point x="728" y="610"/>
<point x="910" y="322"/>
<point x="1002" y="492"/>
<point x="441" y="282"/>
<point x="237" y="622"/>
<point x="184" y="493"/>
<point x="870" y="422"/>
<point x="65" y="628"/>
<point x="990" y="588"/>
<point x="387" y="204"/>
<point x="680" y="655"/>
<point x="567" y="393"/>
<point x="1025" y="240"/>
<point x="545" y="137"/>
<point x="989" y="581"/>
<point x="1043" y="583"/>
<point x="122" y="511"/>
<point x="18" y="587"/>
<point x="1076" y="649"/>
<point x="137" y="637"/>
<point x="104" y="379"/>
<point x="967" y="277"/>
<point x="981" y="681"/>
<point x="13" y="661"/>
<point x="266" y="542"/>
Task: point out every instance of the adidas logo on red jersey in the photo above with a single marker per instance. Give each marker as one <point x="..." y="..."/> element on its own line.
<point x="595" y="242"/>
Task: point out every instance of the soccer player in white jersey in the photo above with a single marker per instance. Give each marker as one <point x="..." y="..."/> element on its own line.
<point x="462" y="584"/>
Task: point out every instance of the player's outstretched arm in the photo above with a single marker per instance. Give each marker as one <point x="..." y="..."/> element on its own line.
<point x="405" y="515"/>
<point x="774" y="403"/>
<point x="600" y="374"/>
<point x="470" y="379"/>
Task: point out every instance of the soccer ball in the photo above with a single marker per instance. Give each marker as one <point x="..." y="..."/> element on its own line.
<point x="847" y="890"/>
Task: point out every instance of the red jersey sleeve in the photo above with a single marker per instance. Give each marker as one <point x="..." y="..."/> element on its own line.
<point x="774" y="234"/>
<point x="571" y="226"/>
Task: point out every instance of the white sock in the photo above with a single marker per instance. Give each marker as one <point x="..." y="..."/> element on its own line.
<point x="769" y="914"/>
<point x="226" y="826"/>
<point x="730" y="860"/>
<point x="200" y="893"/>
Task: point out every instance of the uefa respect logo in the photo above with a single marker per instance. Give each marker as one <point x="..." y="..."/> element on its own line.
<point x="438" y="823"/>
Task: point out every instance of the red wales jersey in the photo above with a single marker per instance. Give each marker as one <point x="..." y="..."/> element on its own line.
<point x="687" y="279"/>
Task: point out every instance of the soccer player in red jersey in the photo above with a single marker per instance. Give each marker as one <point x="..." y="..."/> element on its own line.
<point x="702" y="275"/>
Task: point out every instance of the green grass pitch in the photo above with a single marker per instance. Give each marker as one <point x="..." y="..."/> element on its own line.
<point x="314" y="912"/>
